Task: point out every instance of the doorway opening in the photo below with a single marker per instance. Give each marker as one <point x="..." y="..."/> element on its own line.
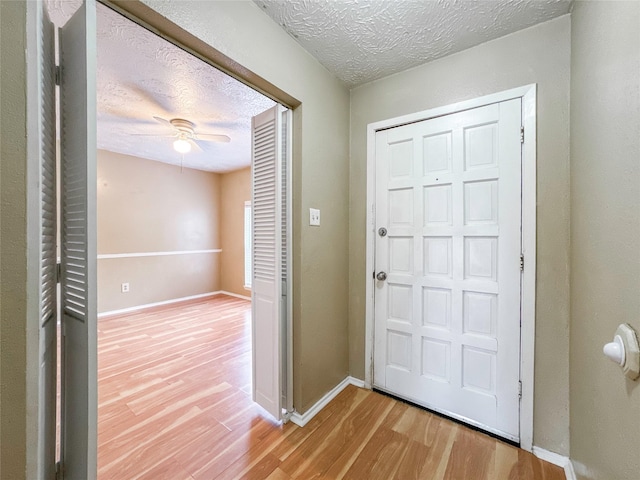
<point x="181" y="200"/>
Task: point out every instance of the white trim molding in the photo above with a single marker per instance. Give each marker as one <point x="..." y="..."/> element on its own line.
<point x="302" y="419"/>
<point x="557" y="459"/>
<point x="527" y="94"/>
<point x="581" y="469"/>
<point x="106" y="256"/>
<point x="244" y="297"/>
<point x="111" y="313"/>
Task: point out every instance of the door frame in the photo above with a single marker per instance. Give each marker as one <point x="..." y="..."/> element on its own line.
<point x="528" y="95"/>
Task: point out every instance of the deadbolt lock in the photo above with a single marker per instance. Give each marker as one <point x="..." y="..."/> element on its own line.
<point x="382" y="232"/>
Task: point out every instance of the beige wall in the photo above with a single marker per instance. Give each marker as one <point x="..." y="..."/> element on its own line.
<point x="241" y="31"/>
<point x="235" y="188"/>
<point x="541" y="55"/>
<point x="13" y="243"/>
<point x="146" y="206"/>
<point x="605" y="234"/>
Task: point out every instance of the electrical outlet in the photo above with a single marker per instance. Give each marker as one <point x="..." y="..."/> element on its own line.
<point x="314" y="217"/>
<point x="124" y="288"/>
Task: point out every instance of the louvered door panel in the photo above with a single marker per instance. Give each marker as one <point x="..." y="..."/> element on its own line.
<point x="264" y="203"/>
<point x="78" y="229"/>
<point x="48" y="236"/>
<point x="267" y="260"/>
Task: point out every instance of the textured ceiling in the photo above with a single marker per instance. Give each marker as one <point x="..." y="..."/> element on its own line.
<point x="363" y="40"/>
<point x="140" y="76"/>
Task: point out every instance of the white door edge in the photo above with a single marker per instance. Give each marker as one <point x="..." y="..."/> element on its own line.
<point x="34" y="433"/>
<point x="527" y="339"/>
<point x="288" y="180"/>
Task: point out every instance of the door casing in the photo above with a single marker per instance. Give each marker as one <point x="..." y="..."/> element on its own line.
<point x="527" y="307"/>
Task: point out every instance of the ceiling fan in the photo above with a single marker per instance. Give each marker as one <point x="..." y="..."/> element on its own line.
<point x="185" y="135"/>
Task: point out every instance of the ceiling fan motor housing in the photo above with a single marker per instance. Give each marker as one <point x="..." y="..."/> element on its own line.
<point x="185" y="127"/>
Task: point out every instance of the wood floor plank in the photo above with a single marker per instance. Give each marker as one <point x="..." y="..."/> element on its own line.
<point x="529" y="466"/>
<point x="278" y="474"/>
<point x="262" y="469"/>
<point x="471" y="456"/>
<point x="233" y="452"/>
<point x="165" y="470"/>
<point x="257" y="456"/>
<point x="505" y="458"/>
<point x="174" y="403"/>
<point x="305" y="453"/>
<point x="346" y="441"/>
<point x="381" y="456"/>
<point x="412" y="463"/>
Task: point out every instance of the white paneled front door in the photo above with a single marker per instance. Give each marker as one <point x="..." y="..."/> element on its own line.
<point x="447" y="261"/>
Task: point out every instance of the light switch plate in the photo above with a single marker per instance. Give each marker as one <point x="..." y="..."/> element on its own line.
<point x="314" y="217"/>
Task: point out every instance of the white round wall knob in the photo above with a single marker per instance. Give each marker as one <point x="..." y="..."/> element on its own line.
<point x="624" y="350"/>
<point x="615" y="350"/>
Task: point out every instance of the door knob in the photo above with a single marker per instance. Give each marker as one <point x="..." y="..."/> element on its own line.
<point x="382" y="276"/>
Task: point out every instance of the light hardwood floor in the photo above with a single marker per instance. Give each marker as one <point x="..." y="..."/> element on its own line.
<point x="175" y="403"/>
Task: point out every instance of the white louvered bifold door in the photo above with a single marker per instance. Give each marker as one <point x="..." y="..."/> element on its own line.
<point x="48" y="236"/>
<point x="267" y="260"/>
<point x="78" y="232"/>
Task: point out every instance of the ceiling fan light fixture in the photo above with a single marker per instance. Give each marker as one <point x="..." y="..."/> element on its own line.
<point x="182" y="146"/>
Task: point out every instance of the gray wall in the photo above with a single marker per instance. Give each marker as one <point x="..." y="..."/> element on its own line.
<point x="541" y="55"/>
<point x="605" y="234"/>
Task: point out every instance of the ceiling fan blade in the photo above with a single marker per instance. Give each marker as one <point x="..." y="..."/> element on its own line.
<point x="195" y="145"/>
<point x="219" y="124"/>
<point x="209" y="137"/>
<point x="163" y="121"/>
<point x="160" y="135"/>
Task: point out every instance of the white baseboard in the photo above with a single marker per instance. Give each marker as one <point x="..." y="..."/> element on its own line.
<point x="244" y="297"/>
<point x="157" y="304"/>
<point x="302" y="420"/>
<point x="557" y="459"/>
<point x="582" y="470"/>
<point x="569" y="472"/>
